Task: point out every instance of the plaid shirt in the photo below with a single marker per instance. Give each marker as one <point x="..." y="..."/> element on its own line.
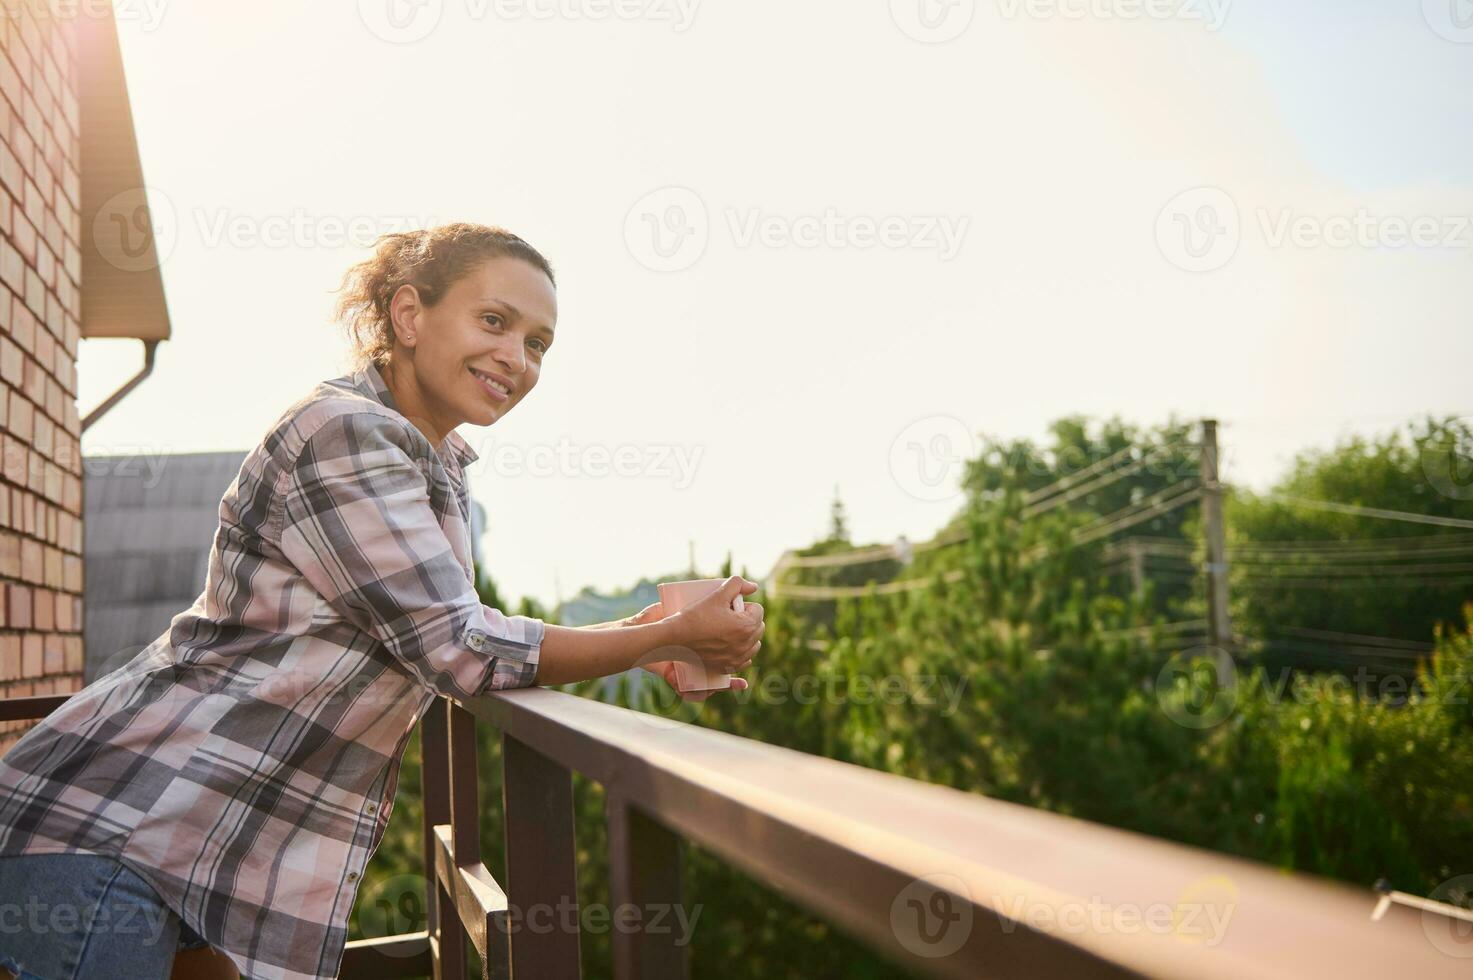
<point x="244" y="763"/>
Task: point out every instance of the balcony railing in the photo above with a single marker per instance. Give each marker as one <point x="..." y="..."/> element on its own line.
<point x="945" y="883"/>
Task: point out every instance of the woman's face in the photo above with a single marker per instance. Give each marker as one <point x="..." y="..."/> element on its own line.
<point x="492" y="328"/>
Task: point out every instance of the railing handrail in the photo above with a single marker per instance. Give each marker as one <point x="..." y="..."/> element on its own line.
<point x="1023" y="892"/>
<point x="858" y="846"/>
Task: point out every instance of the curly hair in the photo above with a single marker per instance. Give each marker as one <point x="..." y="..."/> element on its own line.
<point x="430" y="260"/>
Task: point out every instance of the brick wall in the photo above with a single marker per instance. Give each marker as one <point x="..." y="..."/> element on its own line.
<point x="40" y="278"/>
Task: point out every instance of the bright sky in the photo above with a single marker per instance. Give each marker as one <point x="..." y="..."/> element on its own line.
<point x="799" y="244"/>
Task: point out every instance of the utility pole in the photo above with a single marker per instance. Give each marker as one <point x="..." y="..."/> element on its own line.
<point x="1137" y="566"/>
<point x="1219" y="626"/>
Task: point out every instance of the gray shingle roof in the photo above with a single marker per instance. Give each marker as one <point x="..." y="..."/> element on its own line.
<point x="148" y="524"/>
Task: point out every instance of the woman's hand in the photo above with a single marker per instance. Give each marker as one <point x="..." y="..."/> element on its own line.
<point x="714" y="633"/>
<point x="724" y="640"/>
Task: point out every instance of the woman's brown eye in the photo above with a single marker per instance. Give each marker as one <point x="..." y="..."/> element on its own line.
<point x="490" y="316"/>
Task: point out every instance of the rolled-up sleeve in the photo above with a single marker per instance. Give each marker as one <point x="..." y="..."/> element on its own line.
<point x="357" y="522"/>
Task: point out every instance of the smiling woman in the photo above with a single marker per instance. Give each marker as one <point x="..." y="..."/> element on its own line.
<point x="233" y="780"/>
<point x="458" y="318"/>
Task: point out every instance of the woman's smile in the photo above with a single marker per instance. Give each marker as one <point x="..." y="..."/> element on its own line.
<point x="496" y="387"/>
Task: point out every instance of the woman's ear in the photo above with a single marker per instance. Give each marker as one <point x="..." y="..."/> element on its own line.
<point x="404" y="311"/>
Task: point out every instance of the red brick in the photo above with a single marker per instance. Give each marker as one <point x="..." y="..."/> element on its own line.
<point x="9" y="555"/>
<point x="12" y="361"/>
<point x="15" y="459"/>
<point x="51" y="559"/>
<point x="12" y="267"/>
<point x="23" y="322"/>
<point x="30" y="655"/>
<point x="53" y="654"/>
<point x="32" y="560"/>
<point x="20" y="417"/>
<point x="35" y="292"/>
<point x="10" y="656"/>
<point x="10" y="85"/>
<point x="43" y="615"/>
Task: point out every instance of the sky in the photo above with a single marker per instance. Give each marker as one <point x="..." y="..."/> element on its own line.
<point x="817" y="246"/>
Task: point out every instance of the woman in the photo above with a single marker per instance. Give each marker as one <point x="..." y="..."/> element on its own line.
<point x="226" y="788"/>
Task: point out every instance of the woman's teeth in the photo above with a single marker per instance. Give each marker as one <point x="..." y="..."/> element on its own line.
<point x="494" y="384"/>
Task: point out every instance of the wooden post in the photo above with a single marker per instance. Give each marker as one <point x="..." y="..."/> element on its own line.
<point x="541" y="870"/>
<point x="644" y="876"/>
<point x="447" y="933"/>
<point x="1219" y="625"/>
<point x="1137" y="566"/>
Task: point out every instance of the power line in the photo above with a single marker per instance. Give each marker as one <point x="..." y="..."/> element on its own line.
<point x="1356" y="509"/>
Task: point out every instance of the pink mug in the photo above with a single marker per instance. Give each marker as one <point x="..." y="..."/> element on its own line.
<point x="675" y="596"/>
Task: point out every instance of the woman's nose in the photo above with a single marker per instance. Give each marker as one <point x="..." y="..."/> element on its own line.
<point x="512" y="356"/>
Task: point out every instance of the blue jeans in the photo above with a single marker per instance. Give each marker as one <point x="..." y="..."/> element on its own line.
<point x="75" y="916"/>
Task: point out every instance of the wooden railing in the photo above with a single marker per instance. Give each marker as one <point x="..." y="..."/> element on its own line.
<point x="945" y="883"/>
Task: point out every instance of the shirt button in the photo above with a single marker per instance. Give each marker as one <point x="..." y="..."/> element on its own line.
<point x="352" y="876"/>
<point x="372" y="807"/>
<point x="477" y="643"/>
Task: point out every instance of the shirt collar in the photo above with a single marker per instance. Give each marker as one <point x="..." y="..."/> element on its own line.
<point x="370" y="382"/>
